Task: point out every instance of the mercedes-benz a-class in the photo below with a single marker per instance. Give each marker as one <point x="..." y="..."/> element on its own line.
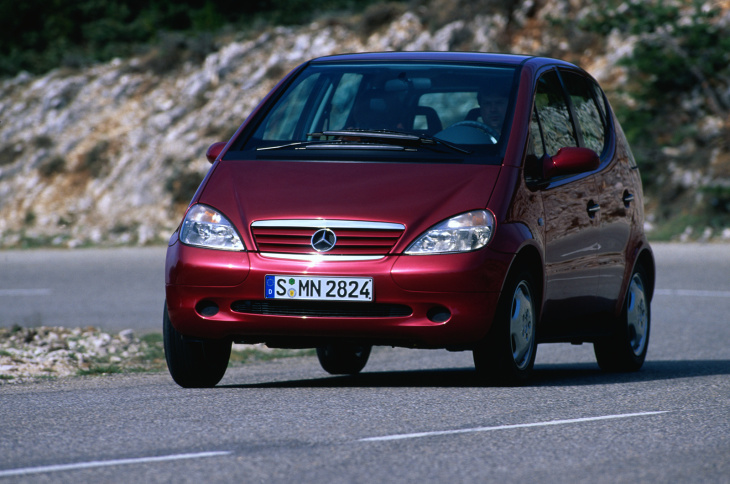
<point x="465" y="201"/>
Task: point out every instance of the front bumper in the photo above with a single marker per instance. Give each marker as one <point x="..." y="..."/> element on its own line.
<point x="449" y="300"/>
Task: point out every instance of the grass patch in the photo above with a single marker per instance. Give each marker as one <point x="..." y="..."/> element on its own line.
<point x="152" y="338"/>
<point x="154" y="353"/>
<point x="91" y="352"/>
<point x="100" y="370"/>
<point x="152" y="358"/>
<point x="252" y="354"/>
<point x="47" y="377"/>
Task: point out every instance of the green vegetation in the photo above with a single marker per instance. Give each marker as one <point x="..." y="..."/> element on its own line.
<point x="680" y="47"/>
<point x="679" y="73"/>
<point x="39" y="35"/>
<point x="251" y="354"/>
<point x="153" y="358"/>
<point x="97" y="160"/>
<point x="182" y="185"/>
<point x="677" y="76"/>
<point x="100" y="370"/>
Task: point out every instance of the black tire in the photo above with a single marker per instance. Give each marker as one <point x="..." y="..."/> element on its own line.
<point x="343" y="359"/>
<point x="507" y="355"/>
<point x="625" y="350"/>
<point x="194" y="364"/>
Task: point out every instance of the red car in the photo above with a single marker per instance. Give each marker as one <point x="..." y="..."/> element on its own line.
<point x="465" y="201"/>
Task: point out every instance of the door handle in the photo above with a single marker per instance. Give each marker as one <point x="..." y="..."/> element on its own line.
<point x="628" y="198"/>
<point x="593" y="208"/>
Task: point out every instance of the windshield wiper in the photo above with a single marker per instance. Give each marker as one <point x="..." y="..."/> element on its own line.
<point x="335" y="145"/>
<point x="393" y="137"/>
<point x="295" y="144"/>
<point x="366" y="139"/>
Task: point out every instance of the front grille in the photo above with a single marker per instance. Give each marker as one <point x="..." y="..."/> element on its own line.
<point x="353" y="238"/>
<point x="321" y="309"/>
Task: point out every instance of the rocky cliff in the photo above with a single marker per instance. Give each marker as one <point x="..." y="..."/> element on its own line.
<point x="112" y="154"/>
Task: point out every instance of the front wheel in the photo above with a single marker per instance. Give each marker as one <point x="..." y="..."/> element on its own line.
<point x="507" y="355"/>
<point x="343" y="359"/>
<point x="194" y="364"/>
<point x="625" y="349"/>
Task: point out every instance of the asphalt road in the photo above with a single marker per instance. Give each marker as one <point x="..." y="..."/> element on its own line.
<point x="412" y="416"/>
<point x="113" y="289"/>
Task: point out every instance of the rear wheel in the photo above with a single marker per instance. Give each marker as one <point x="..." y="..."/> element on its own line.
<point x="343" y="359"/>
<point x="625" y="349"/>
<point x="507" y="355"/>
<point x="194" y="364"/>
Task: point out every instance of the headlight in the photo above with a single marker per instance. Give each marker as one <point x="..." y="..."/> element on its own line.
<point x="206" y="227"/>
<point x="462" y="233"/>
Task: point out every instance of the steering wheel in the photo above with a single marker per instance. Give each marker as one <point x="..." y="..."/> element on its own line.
<point x="491" y="132"/>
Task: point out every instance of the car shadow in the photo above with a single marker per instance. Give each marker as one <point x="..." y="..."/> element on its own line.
<point x="549" y="375"/>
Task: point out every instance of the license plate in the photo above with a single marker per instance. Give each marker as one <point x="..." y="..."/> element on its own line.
<point x="319" y="288"/>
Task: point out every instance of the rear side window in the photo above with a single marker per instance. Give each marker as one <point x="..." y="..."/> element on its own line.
<point x="553" y="115"/>
<point x="586" y="109"/>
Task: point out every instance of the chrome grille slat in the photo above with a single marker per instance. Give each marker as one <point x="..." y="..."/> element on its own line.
<point x="353" y="237"/>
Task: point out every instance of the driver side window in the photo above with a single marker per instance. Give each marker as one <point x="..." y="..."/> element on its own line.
<point x="553" y="116"/>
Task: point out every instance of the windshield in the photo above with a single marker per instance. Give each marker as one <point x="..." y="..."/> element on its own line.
<point x="405" y="111"/>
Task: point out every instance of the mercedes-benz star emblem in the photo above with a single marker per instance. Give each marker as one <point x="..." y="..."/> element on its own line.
<point x="324" y="240"/>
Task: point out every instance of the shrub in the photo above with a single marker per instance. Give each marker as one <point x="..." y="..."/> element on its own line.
<point x="96" y="161"/>
<point x="377" y="16"/>
<point x="52" y="166"/>
<point x="182" y="186"/>
<point x="39" y="35"/>
<point x="10" y="153"/>
<point x="680" y="47"/>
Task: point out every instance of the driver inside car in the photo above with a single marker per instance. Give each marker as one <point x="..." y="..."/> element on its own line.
<point x="493" y="106"/>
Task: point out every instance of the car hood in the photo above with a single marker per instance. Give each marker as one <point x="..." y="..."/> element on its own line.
<point x="415" y="195"/>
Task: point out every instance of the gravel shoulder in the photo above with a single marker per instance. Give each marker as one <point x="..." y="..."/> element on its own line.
<point x="45" y="352"/>
<point x="52" y="352"/>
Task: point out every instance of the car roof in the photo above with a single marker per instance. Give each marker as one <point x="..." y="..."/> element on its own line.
<point x="482" y="57"/>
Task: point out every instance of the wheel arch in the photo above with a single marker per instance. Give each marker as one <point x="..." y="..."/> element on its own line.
<point x="645" y="259"/>
<point x="530" y="259"/>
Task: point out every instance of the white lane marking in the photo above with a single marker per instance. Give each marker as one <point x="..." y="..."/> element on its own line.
<point x="507" y="427"/>
<point x="107" y="463"/>
<point x="691" y="293"/>
<point x="25" y="292"/>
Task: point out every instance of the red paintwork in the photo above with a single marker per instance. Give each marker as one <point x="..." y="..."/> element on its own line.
<point x="214" y="151"/>
<point x="374" y="191"/>
<point x="535" y="226"/>
<point x="570" y="161"/>
<point x="393" y="284"/>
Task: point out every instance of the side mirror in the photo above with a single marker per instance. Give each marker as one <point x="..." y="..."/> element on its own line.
<point x="570" y="161"/>
<point x="214" y="151"/>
